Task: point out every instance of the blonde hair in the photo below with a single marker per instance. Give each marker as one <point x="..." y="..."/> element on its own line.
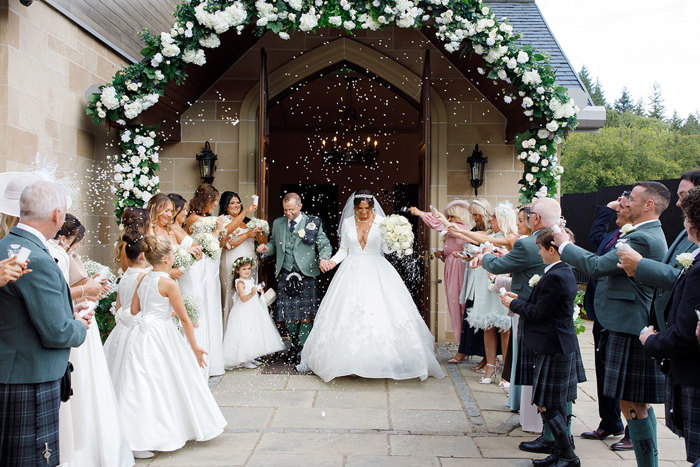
<point x="158" y="204"/>
<point x="156" y="248"/>
<point x="507" y="217"/>
<point x="482" y="207"/>
<point x="459" y="212"/>
<point x="6" y="223"/>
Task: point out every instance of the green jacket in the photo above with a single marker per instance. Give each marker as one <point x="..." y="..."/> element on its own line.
<point x="621" y="303"/>
<point x="522" y="262"/>
<point x="662" y="275"/>
<point x="37" y="328"/>
<point x="306" y="256"/>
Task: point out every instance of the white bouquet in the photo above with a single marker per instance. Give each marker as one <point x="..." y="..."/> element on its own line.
<point x="209" y="243"/>
<point x="183" y="258"/>
<point x="93" y="267"/>
<point x="397" y="235"/>
<point x="204" y="225"/>
<point x="192" y="307"/>
<point x="263" y="224"/>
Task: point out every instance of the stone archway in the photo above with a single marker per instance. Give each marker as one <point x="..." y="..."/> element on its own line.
<point x="336" y="52"/>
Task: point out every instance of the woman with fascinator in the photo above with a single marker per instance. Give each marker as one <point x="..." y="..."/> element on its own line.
<point x="367" y="324"/>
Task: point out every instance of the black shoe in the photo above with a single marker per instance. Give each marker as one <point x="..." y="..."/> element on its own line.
<point x="547" y="461"/>
<point x="540" y="445"/>
<point x="562" y="462"/>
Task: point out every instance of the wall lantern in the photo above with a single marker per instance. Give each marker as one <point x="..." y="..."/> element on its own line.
<point x="477" y="168"/>
<point x="207" y="163"/>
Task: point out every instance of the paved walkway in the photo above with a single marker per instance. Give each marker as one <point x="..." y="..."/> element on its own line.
<point x="298" y="420"/>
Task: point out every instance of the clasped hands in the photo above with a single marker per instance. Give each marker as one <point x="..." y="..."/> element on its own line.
<point x="506" y="300"/>
<point x="326" y="265"/>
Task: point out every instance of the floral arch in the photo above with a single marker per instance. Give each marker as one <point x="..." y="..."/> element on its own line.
<point x="463" y="26"/>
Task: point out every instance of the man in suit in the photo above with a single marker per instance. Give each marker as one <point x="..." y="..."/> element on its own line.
<point x="622" y="307"/>
<point x="301" y="250"/>
<point x="608" y="408"/>
<point x="37" y="329"/>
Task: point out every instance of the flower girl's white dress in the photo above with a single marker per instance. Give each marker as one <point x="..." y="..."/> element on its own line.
<point x="116" y="343"/>
<point x="163" y="399"/>
<point x="367" y="324"/>
<point x="250" y="332"/>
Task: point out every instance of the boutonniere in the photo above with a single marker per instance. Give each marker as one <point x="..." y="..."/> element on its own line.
<point x="626" y="229"/>
<point x="311" y="226"/>
<point x="302" y="233"/>
<point x="685" y="260"/>
<point x="534" y="280"/>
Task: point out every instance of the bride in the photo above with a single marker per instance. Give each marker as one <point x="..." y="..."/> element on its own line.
<point x="367" y="324"/>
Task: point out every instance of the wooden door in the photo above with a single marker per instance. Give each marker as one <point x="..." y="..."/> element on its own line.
<point x="262" y="169"/>
<point x="424" y="184"/>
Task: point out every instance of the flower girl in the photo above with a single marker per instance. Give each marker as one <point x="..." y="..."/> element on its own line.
<point x="163" y="399"/>
<point x="250" y="332"/>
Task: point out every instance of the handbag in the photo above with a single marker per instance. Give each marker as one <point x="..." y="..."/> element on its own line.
<point x="270" y="296"/>
<point x="293" y="284"/>
<point x="66" y="390"/>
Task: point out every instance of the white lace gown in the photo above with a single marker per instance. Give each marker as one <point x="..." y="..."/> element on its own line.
<point x="163" y="399"/>
<point x="211" y="306"/>
<point x="367" y="324"/>
<point x="228" y="257"/>
<point x="251" y="332"/>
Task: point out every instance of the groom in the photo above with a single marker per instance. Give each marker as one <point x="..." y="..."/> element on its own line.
<point x="297" y="241"/>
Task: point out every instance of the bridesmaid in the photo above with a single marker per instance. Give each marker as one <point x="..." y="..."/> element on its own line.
<point x="133" y="218"/>
<point x="238" y="241"/>
<point x="201" y="205"/>
<point x="160" y="211"/>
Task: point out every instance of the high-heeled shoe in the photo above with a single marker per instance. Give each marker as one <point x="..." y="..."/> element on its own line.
<point x="479" y="368"/>
<point x="454" y="360"/>
<point x="490" y="379"/>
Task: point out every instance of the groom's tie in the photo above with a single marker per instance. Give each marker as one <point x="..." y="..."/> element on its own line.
<point x="291" y="226"/>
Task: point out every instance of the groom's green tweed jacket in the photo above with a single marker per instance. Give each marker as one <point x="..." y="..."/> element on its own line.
<point x="662" y="275"/>
<point x="306" y="256"/>
<point x="522" y="262"/>
<point x="37" y="328"/>
<point x="621" y="303"/>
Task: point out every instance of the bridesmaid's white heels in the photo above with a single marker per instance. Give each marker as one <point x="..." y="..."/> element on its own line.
<point x="490" y="379"/>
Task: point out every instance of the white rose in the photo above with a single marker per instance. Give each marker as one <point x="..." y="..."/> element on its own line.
<point x="529" y="177"/>
<point x="552" y="126"/>
<point x="335" y="20"/>
<point x="507" y="99"/>
<point x="543" y="134"/>
<point x="534" y="280"/>
<point x="283" y="35"/>
<point x="502" y="74"/>
<point x="523" y="57"/>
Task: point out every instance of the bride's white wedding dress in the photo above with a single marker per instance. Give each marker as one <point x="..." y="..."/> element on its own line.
<point x="367" y="324"/>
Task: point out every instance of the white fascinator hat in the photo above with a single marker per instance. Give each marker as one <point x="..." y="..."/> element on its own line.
<point x="12" y="184"/>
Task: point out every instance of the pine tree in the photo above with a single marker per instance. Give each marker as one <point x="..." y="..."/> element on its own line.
<point x="594" y="90"/>
<point x="657" y="109"/>
<point x="597" y="95"/>
<point x="692" y="124"/>
<point x="585" y="77"/>
<point x="638" y="108"/>
<point x="624" y="103"/>
<point x="676" y="121"/>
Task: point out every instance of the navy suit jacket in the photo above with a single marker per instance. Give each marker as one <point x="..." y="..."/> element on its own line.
<point x="599" y="239"/>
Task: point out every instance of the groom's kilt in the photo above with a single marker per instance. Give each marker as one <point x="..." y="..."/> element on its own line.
<point x="28" y="422"/>
<point x="630" y="375"/>
<point x="299" y="307"/>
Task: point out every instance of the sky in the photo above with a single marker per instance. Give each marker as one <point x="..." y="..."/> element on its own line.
<point x="633" y="43"/>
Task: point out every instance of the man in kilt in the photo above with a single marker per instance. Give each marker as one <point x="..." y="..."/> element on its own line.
<point x="676" y="346"/>
<point x="549" y="355"/>
<point x="301" y="250"/>
<point x="622" y="307"/>
<point x="37" y="330"/>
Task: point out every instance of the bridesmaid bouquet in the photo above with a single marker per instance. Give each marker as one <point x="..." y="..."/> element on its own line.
<point x="204" y="225"/>
<point x="263" y="224"/>
<point x="183" y="258"/>
<point x="192" y="307"/>
<point x="209" y="243"/>
<point x="397" y="235"/>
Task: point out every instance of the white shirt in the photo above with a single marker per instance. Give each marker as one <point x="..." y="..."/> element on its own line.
<point x="33" y="231"/>
<point x="296" y="221"/>
<point x="549" y="266"/>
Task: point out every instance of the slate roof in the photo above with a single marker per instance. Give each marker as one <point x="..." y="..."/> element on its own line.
<point x="526" y="18"/>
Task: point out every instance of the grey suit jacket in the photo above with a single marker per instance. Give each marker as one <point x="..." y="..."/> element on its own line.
<point x="37" y="328"/>
<point x="621" y="304"/>
<point x="522" y="262"/>
<point x="662" y="275"/>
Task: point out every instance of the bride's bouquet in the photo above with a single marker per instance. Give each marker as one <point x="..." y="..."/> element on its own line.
<point x="183" y="258"/>
<point x="209" y="243"/>
<point x="263" y="224"/>
<point x="204" y="225"/>
<point x="397" y="235"/>
<point x="192" y="307"/>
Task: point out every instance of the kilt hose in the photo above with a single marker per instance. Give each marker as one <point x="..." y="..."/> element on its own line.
<point x="29" y="423"/>
<point x="630" y="375"/>
<point x="299" y="307"/>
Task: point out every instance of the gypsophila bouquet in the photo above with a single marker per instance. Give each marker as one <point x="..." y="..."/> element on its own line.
<point x="263" y="224"/>
<point x="183" y="258"/>
<point x="204" y="225"/>
<point x="209" y="243"/>
<point x="192" y="307"/>
<point x="397" y="235"/>
<point x="93" y="267"/>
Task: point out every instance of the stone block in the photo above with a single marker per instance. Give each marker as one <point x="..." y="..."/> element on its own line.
<point x="24" y="145"/>
<point x="458" y="90"/>
<point x="458" y="183"/>
<point x="230" y="89"/>
<point x="422" y="397"/>
<point x="285" y="460"/>
<point x="10" y="35"/>
<point x="186" y="175"/>
<point x="457" y="462"/>
<point x="485" y="112"/>
<point x="85" y="143"/>
<point x="209" y="131"/>
<point x="358" y="418"/>
<point x="227" y="156"/>
<point x="346" y="383"/>
<point x="503" y="447"/>
<point x="78" y="79"/>
<point x="4" y="53"/>
<point x="247" y="418"/>
<point x="324" y="444"/>
<point x="246" y="380"/>
<point x="226" y="449"/>
<point x="430" y="445"/>
<point x="458" y="112"/>
<point x="430" y="421"/>
<point x="349" y="398"/>
<point x="388" y="461"/>
<point x="264" y="398"/>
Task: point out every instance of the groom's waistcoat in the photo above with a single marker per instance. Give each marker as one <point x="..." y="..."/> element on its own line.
<point x="289" y="263"/>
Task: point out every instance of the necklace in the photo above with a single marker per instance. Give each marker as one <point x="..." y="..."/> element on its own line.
<point x="364" y="221"/>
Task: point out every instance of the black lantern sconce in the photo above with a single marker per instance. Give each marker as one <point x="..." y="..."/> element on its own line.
<point x="207" y="163"/>
<point x="477" y="169"/>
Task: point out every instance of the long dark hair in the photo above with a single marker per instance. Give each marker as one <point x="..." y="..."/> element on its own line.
<point x="203" y="195"/>
<point x="178" y="203"/>
<point x="226" y="199"/>
<point x="71" y="227"/>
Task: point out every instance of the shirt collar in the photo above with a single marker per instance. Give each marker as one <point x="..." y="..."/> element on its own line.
<point x="296" y="220"/>
<point x="33" y="231"/>
<point x="636" y="226"/>
<point x="550" y="266"/>
<point x="696" y="253"/>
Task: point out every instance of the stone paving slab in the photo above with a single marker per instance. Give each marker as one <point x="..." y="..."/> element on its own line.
<point x="351" y="398"/>
<point x="392" y="461"/>
<point x="358" y="418"/>
<point x="438" y="446"/>
<point x="324" y="444"/>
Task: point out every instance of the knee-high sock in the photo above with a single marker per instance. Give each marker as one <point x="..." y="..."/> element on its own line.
<point x="652" y="419"/>
<point x="304" y="331"/>
<point x="555" y="418"/>
<point x="643" y="438"/>
<point x="547" y="432"/>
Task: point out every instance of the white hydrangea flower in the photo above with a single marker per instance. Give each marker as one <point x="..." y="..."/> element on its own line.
<point x="133" y="109"/>
<point x="109" y="98"/>
<point x="335" y="20"/>
<point x="532" y="77"/>
<point x="210" y="42"/>
<point x="308" y="21"/>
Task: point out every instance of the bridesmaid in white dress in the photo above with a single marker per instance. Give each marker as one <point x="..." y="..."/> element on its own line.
<point x="238" y="242"/>
<point x="190" y="282"/>
<point x="201" y="205"/>
<point x="163" y="400"/>
<point x="160" y="211"/>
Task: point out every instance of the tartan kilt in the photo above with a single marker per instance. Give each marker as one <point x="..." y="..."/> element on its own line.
<point x="630" y="375"/>
<point x="668" y="396"/>
<point x="300" y="307"/>
<point x="690" y="396"/>
<point x="29" y="420"/>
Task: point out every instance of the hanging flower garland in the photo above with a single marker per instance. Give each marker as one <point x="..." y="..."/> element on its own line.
<point x="462" y="25"/>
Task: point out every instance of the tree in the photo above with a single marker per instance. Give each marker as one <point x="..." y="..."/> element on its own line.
<point x="639" y="108"/>
<point x="657" y="109"/>
<point x="585" y="77"/>
<point x="676" y="121"/>
<point x="624" y="103"/>
<point x="594" y="90"/>
<point x="692" y="125"/>
<point x="597" y="95"/>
